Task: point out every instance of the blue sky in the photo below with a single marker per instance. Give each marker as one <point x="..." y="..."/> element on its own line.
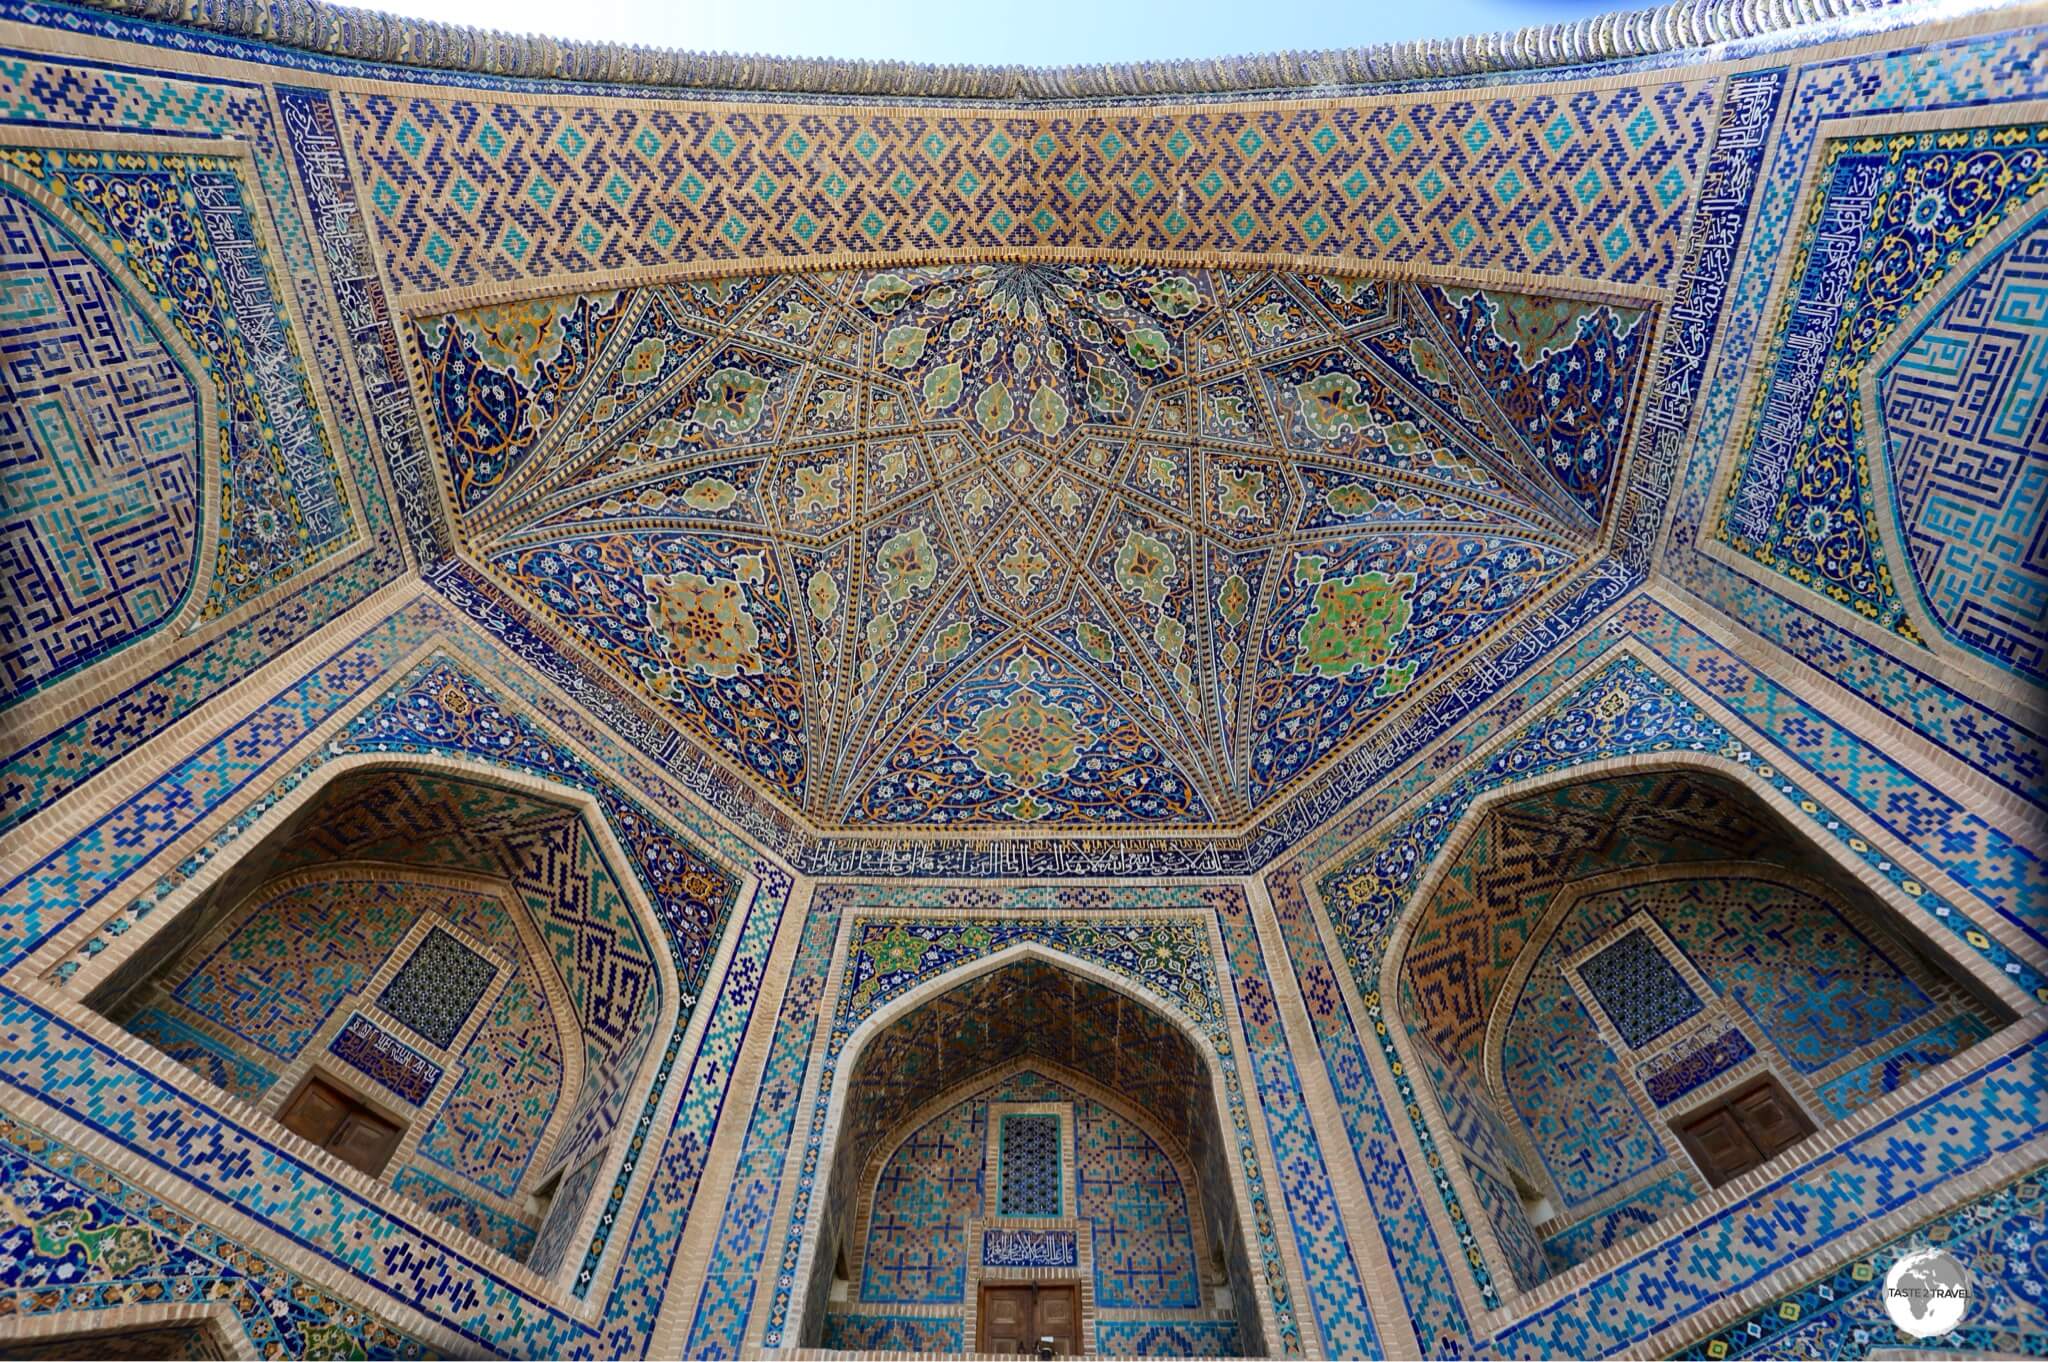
<point x="1036" y="32"/>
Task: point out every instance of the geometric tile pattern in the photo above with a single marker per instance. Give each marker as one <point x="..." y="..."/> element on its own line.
<point x="1028" y="1155"/>
<point x="1615" y="709"/>
<point x="1874" y="1078"/>
<point x="1639" y="990"/>
<point x="1807" y="987"/>
<point x="282" y="507"/>
<point x="464" y="1209"/>
<point x="1816" y="987"/>
<point x="1075" y="545"/>
<point x="691" y="893"/>
<point x="916" y="1247"/>
<point x="1563" y="1085"/>
<point x="1889" y="219"/>
<point x="1963" y="526"/>
<point x="42" y="763"/>
<point x="1030" y="1008"/>
<point x="297" y="953"/>
<point x="1936" y="83"/>
<point x="1127" y="1189"/>
<point x="100" y="445"/>
<point x="437" y="987"/>
<point x="891" y="1333"/>
<point x="1616" y="1221"/>
<point x="1589" y="182"/>
<point x="77" y="1235"/>
<point x="1144" y="1240"/>
<point x="510" y="1083"/>
<point x="2001" y="1240"/>
<point x="1964" y="427"/>
<point x="1191" y="1338"/>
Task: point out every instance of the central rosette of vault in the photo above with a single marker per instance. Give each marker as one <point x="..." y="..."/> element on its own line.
<point x="1030" y="544"/>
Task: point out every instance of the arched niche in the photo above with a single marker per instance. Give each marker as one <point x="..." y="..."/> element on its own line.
<point x="1601" y="969"/>
<point x="456" y="963"/>
<point x="1032" y="1009"/>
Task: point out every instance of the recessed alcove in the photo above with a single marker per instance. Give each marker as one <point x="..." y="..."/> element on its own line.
<point x="1625" y="992"/>
<point x="1020" y="1134"/>
<point x="434" y="982"/>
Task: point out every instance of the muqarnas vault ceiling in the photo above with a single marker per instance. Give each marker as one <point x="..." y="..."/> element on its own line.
<point x="1032" y="544"/>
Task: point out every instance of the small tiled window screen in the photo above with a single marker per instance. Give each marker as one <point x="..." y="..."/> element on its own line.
<point x="1641" y="992"/>
<point x="1030" y="1166"/>
<point x="435" y="991"/>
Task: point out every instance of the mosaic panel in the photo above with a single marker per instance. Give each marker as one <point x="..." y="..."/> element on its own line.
<point x="282" y="506"/>
<point x="279" y="1190"/>
<point x="207" y="1056"/>
<point x="1604" y="716"/>
<point x="100" y="446"/>
<point x="555" y="1238"/>
<point x="1141" y="1338"/>
<point x="510" y="1082"/>
<point x="1672" y="1076"/>
<point x="1144" y="1238"/>
<point x="1962" y="430"/>
<point x="1587" y="182"/>
<point x="1640" y="991"/>
<point x="1617" y="1221"/>
<point x="69" y="92"/>
<point x="1028" y="1160"/>
<point x="505" y="1233"/>
<point x="437" y="987"/>
<point x="917" y="1231"/>
<point x="1899" y="1065"/>
<point x="1126" y="1187"/>
<point x="76" y="1235"/>
<point x="1465" y="940"/>
<point x="294" y="956"/>
<point x="1564" y="1084"/>
<point x="1893" y="215"/>
<point x="1739" y="262"/>
<point x="1813" y="983"/>
<point x="2000" y="1240"/>
<point x="892" y="1333"/>
<point x="1153" y="1064"/>
<point x="369" y="1050"/>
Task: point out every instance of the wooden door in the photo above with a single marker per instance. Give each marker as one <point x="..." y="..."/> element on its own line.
<point x="1059" y="1318"/>
<point x="1015" y="1317"/>
<point x="1743" y="1130"/>
<point x="341" y="1125"/>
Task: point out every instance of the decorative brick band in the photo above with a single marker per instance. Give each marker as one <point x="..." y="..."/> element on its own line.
<point x="343" y="31"/>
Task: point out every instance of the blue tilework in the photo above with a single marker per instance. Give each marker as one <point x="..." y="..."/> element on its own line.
<point x="1998" y="1239"/>
<point x="437" y="987"/>
<point x="1193" y="1338"/>
<point x="1028" y="1165"/>
<point x="1640" y="991"/>
<point x="76" y="1235"/>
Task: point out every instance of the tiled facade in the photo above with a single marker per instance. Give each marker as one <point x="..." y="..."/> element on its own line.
<point x="1235" y="699"/>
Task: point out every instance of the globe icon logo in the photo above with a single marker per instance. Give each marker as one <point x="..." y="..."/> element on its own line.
<point x="1926" y="1293"/>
